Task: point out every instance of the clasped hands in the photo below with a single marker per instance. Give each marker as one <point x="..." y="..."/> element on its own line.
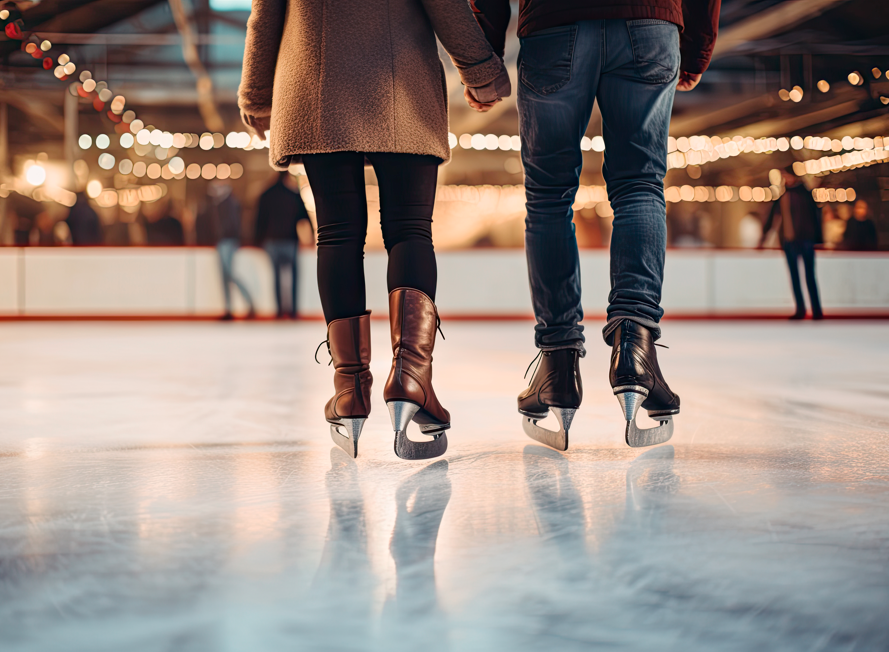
<point x="483" y="98"/>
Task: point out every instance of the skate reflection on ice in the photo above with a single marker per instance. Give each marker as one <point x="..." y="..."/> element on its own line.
<point x="648" y="475"/>
<point x="344" y="583"/>
<point x="558" y="508"/>
<point x="412" y="618"/>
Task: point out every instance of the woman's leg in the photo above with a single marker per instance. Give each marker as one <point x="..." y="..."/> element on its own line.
<point x="337" y="181"/>
<point x="407" y="195"/>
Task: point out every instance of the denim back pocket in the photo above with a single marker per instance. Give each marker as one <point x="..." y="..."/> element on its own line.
<point x="655" y="49"/>
<point x="546" y="58"/>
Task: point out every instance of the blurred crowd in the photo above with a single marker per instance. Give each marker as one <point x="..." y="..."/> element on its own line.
<point x="172" y="222"/>
<point x="847" y="226"/>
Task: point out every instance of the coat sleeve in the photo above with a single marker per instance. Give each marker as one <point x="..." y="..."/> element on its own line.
<point x="493" y="17"/>
<point x="701" y="18"/>
<point x="464" y="40"/>
<point x="264" y="30"/>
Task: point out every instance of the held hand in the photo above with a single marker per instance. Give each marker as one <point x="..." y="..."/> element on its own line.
<point x="687" y="80"/>
<point x="481" y="107"/>
<point x="483" y="98"/>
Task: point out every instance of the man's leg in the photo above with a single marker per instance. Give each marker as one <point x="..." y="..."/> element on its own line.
<point x="273" y="249"/>
<point x="636" y="98"/>
<point x="807" y="251"/>
<point x="294" y="278"/>
<point x="558" y="74"/>
<point x="226" y="253"/>
<point x="792" y="253"/>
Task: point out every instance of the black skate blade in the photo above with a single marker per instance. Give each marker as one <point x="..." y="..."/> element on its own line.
<point x="557" y="439"/>
<point x="407" y="449"/>
<point x="642" y="437"/>
<point x="345" y="434"/>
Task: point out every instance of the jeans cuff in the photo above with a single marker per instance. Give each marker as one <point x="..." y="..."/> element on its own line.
<point x="560" y="347"/>
<point x="615" y="320"/>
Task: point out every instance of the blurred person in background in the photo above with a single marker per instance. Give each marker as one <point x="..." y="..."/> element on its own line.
<point x="861" y="231"/>
<point x="162" y="229"/>
<point x="84" y="224"/>
<point x="222" y="219"/>
<point x="796" y="217"/>
<point x="280" y="211"/>
<point x="382" y="100"/>
<point x="630" y="56"/>
<point x="44" y="235"/>
<point x="24" y="213"/>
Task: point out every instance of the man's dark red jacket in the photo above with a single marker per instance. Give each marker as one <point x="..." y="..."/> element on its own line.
<point x="698" y="20"/>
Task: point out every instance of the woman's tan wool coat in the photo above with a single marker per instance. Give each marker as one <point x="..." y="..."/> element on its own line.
<point x="358" y="75"/>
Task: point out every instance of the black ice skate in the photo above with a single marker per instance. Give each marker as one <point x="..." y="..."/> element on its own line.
<point x="637" y="382"/>
<point x="554" y="387"/>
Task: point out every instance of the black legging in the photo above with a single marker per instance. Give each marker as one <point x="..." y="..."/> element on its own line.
<point x="407" y="194"/>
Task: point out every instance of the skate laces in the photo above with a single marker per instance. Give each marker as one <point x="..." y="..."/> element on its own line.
<point x="327" y="342"/>
<point x="663" y="346"/>
<point x="537" y="360"/>
<point x="438" y="326"/>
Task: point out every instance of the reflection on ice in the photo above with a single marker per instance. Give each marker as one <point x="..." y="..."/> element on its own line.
<point x="165" y="498"/>
<point x="412" y="618"/>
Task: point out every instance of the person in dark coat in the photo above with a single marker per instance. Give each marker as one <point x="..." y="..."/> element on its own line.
<point x="84" y="224"/>
<point x="861" y="232"/>
<point x="798" y="220"/>
<point x="223" y="215"/>
<point x="281" y="209"/>
<point x="162" y="229"/>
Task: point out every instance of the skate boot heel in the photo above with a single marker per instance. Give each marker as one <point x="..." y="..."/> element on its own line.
<point x="345" y="434"/>
<point x="557" y="439"/>
<point x="402" y="413"/>
<point x="630" y="399"/>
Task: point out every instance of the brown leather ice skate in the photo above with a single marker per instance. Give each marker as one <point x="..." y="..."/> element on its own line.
<point x="413" y="320"/>
<point x="348" y="341"/>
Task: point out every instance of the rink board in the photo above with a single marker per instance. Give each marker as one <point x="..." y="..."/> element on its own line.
<point x="481" y="283"/>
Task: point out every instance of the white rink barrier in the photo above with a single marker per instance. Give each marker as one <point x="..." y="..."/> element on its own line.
<point x="482" y="283"/>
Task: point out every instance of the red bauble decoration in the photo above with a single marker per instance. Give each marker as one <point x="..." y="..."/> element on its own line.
<point x="98" y="104"/>
<point x="114" y="118"/>
<point x="47" y="65"/>
<point x="14" y="31"/>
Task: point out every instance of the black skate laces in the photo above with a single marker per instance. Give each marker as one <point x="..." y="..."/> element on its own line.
<point x="537" y="360"/>
<point x="327" y="342"/>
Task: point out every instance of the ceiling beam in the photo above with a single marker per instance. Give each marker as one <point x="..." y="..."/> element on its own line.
<point x="777" y="20"/>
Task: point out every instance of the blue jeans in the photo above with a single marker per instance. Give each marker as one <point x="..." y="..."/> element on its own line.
<point x="226" y="248"/>
<point x="630" y="67"/>
<point x="805" y="250"/>
<point x="283" y="256"/>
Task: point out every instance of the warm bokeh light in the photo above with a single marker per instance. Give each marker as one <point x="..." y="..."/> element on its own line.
<point x="35" y="174"/>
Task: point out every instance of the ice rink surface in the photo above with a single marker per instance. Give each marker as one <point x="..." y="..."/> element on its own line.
<point x="174" y="487"/>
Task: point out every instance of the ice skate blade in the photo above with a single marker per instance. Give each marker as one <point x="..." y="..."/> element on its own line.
<point x="557" y="439"/>
<point x="402" y="413"/>
<point x="345" y="434"/>
<point x="630" y="400"/>
<point x="641" y="437"/>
